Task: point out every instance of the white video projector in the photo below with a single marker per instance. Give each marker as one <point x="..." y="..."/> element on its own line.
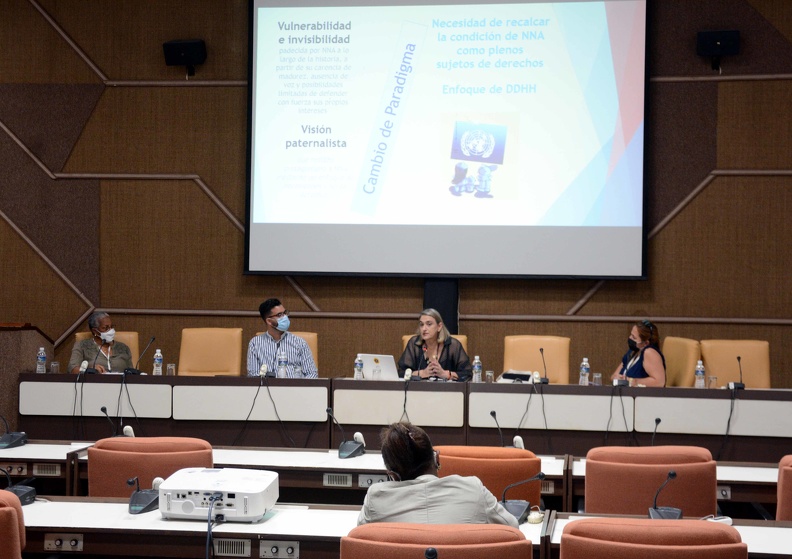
<point x="245" y="495"/>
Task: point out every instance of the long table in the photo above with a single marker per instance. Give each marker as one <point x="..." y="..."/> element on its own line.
<point x="744" y="425"/>
<point x="104" y="528"/>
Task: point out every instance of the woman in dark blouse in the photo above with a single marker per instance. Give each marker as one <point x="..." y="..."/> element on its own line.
<point x="432" y="353"/>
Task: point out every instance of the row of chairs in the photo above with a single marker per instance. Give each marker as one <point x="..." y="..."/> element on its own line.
<point x="112" y="461"/>
<point x="588" y="538"/>
<point x="218" y="351"/>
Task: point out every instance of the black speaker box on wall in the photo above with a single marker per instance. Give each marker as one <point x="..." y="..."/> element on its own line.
<point x="718" y="43"/>
<point x="184" y="52"/>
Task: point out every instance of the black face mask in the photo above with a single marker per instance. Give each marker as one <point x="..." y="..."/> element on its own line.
<point x="633" y="345"/>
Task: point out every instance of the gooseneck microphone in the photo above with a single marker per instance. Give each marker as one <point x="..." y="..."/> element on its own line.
<point x="738" y="385"/>
<point x="668" y="513"/>
<point x="544" y="379"/>
<point x="134" y="370"/>
<point x="519" y="508"/>
<point x="657" y="423"/>
<point x="103" y="409"/>
<point x="12" y="439"/>
<point x="143" y="500"/>
<point x="347" y="449"/>
<point x="495" y="417"/>
<point x="92" y="369"/>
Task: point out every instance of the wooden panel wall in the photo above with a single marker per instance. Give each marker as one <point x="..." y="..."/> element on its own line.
<point x="167" y="250"/>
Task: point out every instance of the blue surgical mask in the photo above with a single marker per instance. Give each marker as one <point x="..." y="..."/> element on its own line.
<point x="283" y="323"/>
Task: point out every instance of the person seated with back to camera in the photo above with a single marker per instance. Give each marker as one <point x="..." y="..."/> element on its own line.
<point x="264" y="348"/>
<point x="416" y="494"/>
<point x="101" y="351"/>
<point x="643" y="363"/>
<point x="433" y="353"/>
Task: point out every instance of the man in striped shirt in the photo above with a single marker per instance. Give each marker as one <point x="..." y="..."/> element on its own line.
<point x="264" y="349"/>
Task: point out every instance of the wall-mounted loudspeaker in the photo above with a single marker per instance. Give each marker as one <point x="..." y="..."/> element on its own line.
<point x="185" y="52"/>
<point x="715" y="44"/>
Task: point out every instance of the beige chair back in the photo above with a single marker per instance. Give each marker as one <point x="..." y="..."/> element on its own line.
<point x="462" y="338"/>
<point x="129" y="338"/>
<point x="211" y="352"/>
<point x="720" y="359"/>
<point x="521" y="353"/>
<point x="311" y="338"/>
<point x="681" y="356"/>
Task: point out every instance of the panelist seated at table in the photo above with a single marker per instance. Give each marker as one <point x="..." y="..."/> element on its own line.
<point x="433" y="353"/>
<point x="416" y="494"/>
<point x="101" y="351"/>
<point x="643" y="364"/>
<point x="264" y="348"/>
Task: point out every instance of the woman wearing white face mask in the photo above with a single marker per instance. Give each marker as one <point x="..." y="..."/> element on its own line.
<point x="101" y="351"/>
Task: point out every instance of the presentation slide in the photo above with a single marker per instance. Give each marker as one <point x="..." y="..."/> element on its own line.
<point x="448" y="139"/>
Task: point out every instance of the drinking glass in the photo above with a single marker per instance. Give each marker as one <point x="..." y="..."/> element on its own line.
<point x="712" y="382"/>
<point x="596" y="380"/>
<point x="170" y="370"/>
<point x="54" y="368"/>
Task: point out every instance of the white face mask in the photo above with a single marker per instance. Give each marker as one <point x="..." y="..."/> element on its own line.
<point x="108" y="336"/>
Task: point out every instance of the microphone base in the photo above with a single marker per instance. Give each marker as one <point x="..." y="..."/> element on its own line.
<point x="519" y="509"/>
<point x="736" y="386"/>
<point x="665" y="513"/>
<point x="25" y="493"/>
<point x="621" y="382"/>
<point x="132" y="371"/>
<point x="90" y="371"/>
<point x="144" y="500"/>
<point x="11" y="440"/>
<point x="350" y="449"/>
<point x="542" y="380"/>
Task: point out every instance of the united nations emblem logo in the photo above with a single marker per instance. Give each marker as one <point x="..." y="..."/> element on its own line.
<point x="477" y="143"/>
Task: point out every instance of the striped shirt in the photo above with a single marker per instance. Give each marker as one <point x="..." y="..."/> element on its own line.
<point x="263" y="350"/>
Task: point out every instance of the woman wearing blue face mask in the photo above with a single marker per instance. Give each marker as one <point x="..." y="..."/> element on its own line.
<point x="101" y="351"/>
<point x="643" y="363"/>
<point x="263" y="349"/>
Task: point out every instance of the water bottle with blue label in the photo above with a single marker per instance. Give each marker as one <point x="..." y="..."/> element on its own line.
<point x="41" y="361"/>
<point x="358" y="375"/>
<point x="585" y="369"/>
<point x="157" y="369"/>
<point x="700" y="375"/>
<point x="477" y="369"/>
<point x="283" y="363"/>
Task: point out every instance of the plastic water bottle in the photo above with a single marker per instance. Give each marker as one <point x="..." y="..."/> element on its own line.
<point x="41" y="361"/>
<point x="282" y="363"/>
<point x="700" y="375"/>
<point x="358" y="367"/>
<point x="477" y="369"/>
<point x="584" y="372"/>
<point x="157" y="369"/>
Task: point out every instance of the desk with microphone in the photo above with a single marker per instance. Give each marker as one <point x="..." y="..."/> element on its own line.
<point x="668" y="513"/>
<point x="518" y="507"/>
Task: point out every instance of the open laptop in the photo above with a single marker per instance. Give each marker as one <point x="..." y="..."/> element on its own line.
<point x="385" y="362"/>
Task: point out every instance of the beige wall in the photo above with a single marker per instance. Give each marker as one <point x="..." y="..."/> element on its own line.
<point x="76" y="236"/>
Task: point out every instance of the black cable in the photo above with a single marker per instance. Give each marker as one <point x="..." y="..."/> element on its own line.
<point x="525" y="413"/>
<point x="629" y="434"/>
<point x="610" y="414"/>
<point x="134" y="413"/>
<point x="214" y="497"/>
<point x="547" y="430"/>
<point x="252" y="405"/>
<point x="728" y="424"/>
<point x="404" y="404"/>
<point x="280" y="421"/>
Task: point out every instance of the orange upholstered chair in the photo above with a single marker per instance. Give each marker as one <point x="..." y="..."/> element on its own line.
<point x="521" y="353"/>
<point x="720" y="359"/>
<point x="784" y="511"/>
<point x="681" y="356"/>
<point x="130" y="339"/>
<point x="496" y="467"/>
<point x="211" y="352"/>
<point x="624" y="480"/>
<point x="639" y="538"/>
<point x="111" y="462"/>
<point x="397" y="540"/>
<point x="12" y="526"/>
